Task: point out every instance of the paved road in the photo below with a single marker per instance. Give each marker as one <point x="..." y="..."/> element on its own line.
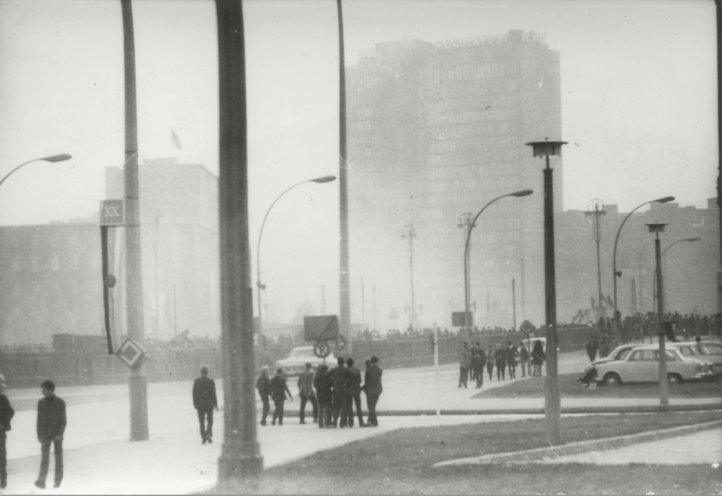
<point x="100" y="460"/>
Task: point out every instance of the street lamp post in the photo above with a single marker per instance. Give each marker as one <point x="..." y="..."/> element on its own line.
<point x="656" y="228"/>
<point x="552" y="401"/>
<point x="469" y="227"/>
<point x="596" y="212"/>
<point x="60" y="157"/>
<point x="689" y="240"/>
<point x="615" y="272"/>
<point x="259" y="284"/>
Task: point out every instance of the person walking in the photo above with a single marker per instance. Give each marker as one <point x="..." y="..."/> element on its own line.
<point x="279" y="389"/>
<point x="354" y="392"/>
<point x="324" y="392"/>
<point x="537" y="358"/>
<point x="205" y="401"/>
<point x="592" y="348"/>
<point x="51" y="424"/>
<point x="464" y="364"/>
<point x="490" y="362"/>
<point x="512" y="356"/>
<point x="6" y="415"/>
<point x="500" y="362"/>
<point x="306" y="393"/>
<point x="373" y="389"/>
<point x="523" y="359"/>
<point x="478" y="361"/>
<point x="263" y="386"/>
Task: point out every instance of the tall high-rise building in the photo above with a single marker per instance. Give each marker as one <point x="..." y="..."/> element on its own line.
<point x="436" y="131"/>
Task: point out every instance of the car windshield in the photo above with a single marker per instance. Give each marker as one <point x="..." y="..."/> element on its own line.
<point x="302" y="352"/>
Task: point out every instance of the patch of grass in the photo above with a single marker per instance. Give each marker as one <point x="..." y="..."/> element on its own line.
<point x="399" y="462"/>
<point x="570" y="387"/>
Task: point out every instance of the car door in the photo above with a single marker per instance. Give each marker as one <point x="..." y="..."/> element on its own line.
<point x="639" y="367"/>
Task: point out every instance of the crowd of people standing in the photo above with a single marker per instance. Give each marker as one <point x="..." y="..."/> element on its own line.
<point x="504" y="358"/>
<point x="333" y="393"/>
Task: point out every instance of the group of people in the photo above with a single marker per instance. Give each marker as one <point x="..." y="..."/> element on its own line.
<point x="50" y="428"/>
<point x="332" y="392"/>
<point x="474" y="359"/>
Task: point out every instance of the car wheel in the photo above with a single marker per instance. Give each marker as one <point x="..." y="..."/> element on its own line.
<point x="674" y="378"/>
<point x="612" y="380"/>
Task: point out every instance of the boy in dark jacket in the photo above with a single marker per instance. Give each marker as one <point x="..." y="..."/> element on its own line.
<point x="50" y="428"/>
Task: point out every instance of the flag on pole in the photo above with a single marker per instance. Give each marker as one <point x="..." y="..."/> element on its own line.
<point x="175" y="139"/>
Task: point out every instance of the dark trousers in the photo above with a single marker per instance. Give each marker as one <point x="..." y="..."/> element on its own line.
<point x="45" y="459"/>
<point x="266" y="409"/>
<point x="325" y="413"/>
<point x="3" y="458"/>
<point x="205" y="421"/>
<point x="278" y="411"/>
<point x="479" y="376"/>
<point x="371" y="400"/>
<point x="463" y="375"/>
<point x="500" y="370"/>
<point x="314" y="405"/>
<point x="355" y="399"/>
<point x="340" y="409"/>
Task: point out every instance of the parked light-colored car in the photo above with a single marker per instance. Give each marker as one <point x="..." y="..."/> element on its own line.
<point x="617" y="353"/>
<point x="641" y="364"/>
<point x="705" y="350"/>
<point x="297" y="359"/>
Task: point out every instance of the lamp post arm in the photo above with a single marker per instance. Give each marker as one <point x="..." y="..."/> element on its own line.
<point x="18" y="167"/>
<point x="619" y="231"/>
<point x="263" y="224"/>
<point x="473" y="222"/>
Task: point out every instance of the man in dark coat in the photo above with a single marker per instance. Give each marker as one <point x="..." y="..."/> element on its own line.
<point x="354" y="392"/>
<point x="263" y="385"/>
<point x="205" y="401"/>
<point x="372" y="388"/>
<point x="50" y="428"/>
<point x="323" y="383"/>
<point x="339" y="376"/>
<point x="279" y="389"/>
<point x="6" y="415"/>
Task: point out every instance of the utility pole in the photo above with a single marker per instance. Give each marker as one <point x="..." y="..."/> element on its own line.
<point x="410" y="233"/>
<point x="513" y="303"/>
<point x="344" y="281"/>
<point x="240" y="463"/>
<point x="598" y="209"/>
<point x="137" y="385"/>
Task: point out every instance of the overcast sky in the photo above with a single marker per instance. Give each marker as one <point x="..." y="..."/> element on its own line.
<point x="639" y="101"/>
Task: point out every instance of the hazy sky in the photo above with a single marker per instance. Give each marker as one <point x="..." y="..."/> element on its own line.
<point x="639" y="101"/>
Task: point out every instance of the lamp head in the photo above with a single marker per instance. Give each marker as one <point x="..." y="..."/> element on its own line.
<point x="664" y="199"/>
<point x="546" y="148"/>
<point x="523" y="192"/>
<point x="60" y="157"/>
<point x="656" y="227"/>
<point x="696" y="238"/>
<point x="323" y="179"/>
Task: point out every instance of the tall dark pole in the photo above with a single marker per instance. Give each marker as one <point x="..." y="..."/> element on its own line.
<point x="137" y="385"/>
<point x="656" y="228"/>
<point x="513" y="304"/>
<point x="552" y="404"/>
<point x="240" y="459"/>
<point x="344" y="284"/>
<point x="552" y="400"/>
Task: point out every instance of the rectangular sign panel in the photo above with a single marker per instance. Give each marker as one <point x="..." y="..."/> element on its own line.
<point x="112" y="212"/>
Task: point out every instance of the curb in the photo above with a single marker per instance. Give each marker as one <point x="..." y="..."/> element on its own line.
<point x="564" y="411"/>
<point x="579" y="446"/>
